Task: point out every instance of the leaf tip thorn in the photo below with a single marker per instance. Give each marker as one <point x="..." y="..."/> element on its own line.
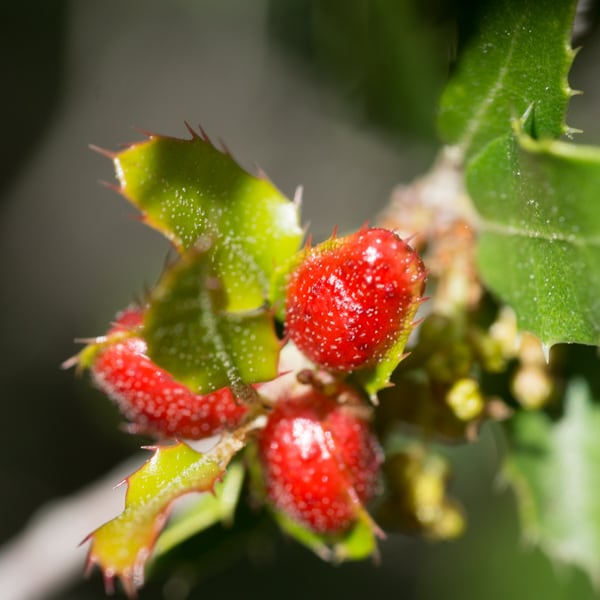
<point x="191" y="130"/>
<point x="297" y="200"/>
<point x="103" y="151"/>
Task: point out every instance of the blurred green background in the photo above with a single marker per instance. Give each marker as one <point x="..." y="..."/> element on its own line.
<point x="337" y="96"/>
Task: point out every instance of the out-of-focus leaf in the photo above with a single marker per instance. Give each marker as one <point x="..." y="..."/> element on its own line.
<point x="122" y="546"/>
<point x="382" y="55"/>
<point x="357" y="543"/>
<point x="191" y="335"/>
<point x="187" y="189"/>
<point x="520" y="57"/>
<point x="539" y="247"/>
<point x="553" y="468"/>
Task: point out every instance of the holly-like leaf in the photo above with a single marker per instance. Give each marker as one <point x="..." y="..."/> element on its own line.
<point x="122" y="546"/>
<point x="190" y="333"/>
<point x="187" y="189"/>
<point x="206" y="511"/>
<point x="539" y="244"/>
<point x="553" y="468"/>
<point x="520" y="56"/>
<point x="377" y="378"/>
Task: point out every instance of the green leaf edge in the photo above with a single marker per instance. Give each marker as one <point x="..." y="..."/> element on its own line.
<point x="208" y="510"/>
<point x="464" y="140"/>
<point x="554" y="149"/>
<point x="357" y="543"/>
<point x="579" y="393"/>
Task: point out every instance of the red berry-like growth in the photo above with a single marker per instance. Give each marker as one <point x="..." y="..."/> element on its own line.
<point x="351" y="298"/>
<point x="150" y="398"/>
<point x="320" y="461"/>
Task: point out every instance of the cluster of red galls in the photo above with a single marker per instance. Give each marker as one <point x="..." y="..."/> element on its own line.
<point x="347" y="302"/>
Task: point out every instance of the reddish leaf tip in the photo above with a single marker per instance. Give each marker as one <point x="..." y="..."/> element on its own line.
<point x="224" y="148"/>
<point x="72" y="361"/>
<point x="148" y="134"/>
<point x="111" y="186"/>
<point x="103" y="151"/>
<point x="260" y="173"/>
<point x="305" y="229"/>
<point x="191" y="130"/>
<point x="204" y="136"/>
<point x="297" y="199"/>
<point x="410" y="238"/>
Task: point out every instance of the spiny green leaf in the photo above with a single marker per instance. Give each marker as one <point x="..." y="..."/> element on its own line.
<point x="553" y="468"/>
<point x="122" y="546"/>
<point x="520" y="57"/>
<point x="539" y="247"/>
<point x="190" y="334"/>
<point x="377" y="378"/>
<point x="208" y="510"/>
<point x="188" y="189"/>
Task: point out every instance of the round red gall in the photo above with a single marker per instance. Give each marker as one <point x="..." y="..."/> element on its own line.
<point x="351" y="298"/>
<point x="320" y="462"/>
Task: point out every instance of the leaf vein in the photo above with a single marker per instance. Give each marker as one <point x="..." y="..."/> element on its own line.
<point x="495" y="89"/>
<point x="512" y="230"/>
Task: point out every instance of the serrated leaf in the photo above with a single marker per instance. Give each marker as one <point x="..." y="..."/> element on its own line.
<point x="539" y="244"/>
<point x="553" y="468"/>
<point x="187" y="189"/>
<point x="208" y="510"/>
<point x="520" y="56"/>
<point x="377" y="378"/>
<point x="122" y="546"/>
<point x="191" y="335"/>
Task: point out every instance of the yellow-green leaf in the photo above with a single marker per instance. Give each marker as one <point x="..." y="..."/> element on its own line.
<point x="122" y="546"/>
<point x="188" y="189"/>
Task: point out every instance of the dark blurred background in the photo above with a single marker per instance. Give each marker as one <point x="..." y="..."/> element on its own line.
<point x="337" y="96"/>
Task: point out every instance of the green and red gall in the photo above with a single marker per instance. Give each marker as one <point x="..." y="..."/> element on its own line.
<point x="320" y="460"/>
<point x="351" y="298"/>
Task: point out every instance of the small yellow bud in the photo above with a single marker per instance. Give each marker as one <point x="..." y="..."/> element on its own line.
<point x="532" y="386"/>
<point x="450" y="523"/>
<point x="465" y="399"/>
